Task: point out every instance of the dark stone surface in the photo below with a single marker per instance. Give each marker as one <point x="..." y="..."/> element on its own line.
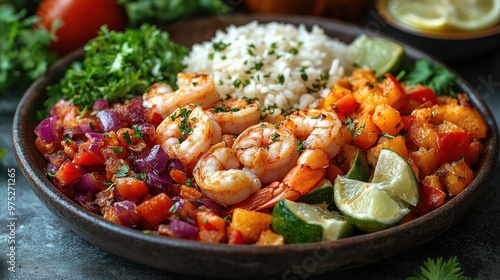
<point x="47" y="249"/>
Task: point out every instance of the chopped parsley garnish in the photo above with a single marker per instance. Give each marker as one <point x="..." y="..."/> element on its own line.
<point x="127" y="138"/>
<point x="122" y="171"/>
<point x="300" y="146"/>
<point x="237" y="83"/>
<point x="117" y="150"/>
<point x="275" y="137"/>
<point x="220" y="46"/>
<point x="281" y="78"/>
<point x="137" y="133"/>
<point x="120" y="65"/>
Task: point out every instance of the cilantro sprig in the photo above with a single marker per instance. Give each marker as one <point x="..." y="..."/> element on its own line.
<point x="437" y="77"/>
<point x="119" y="65"/>
<point x="439" y="270"/>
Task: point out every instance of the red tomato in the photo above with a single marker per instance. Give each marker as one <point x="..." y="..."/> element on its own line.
<point x="81" y="21"/>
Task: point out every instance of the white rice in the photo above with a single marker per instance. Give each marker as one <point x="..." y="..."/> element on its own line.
<point x="280" y="64"/>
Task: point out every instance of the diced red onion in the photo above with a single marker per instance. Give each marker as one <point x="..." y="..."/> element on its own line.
<point x="146" y="128"/>
<point x="110" y="120"/>
<point x="79" y="129"/>
<point x="88" y="183"/>
<point x="136" y="110"/>
<point x="83" y="197"/>
<point x="44" y="130"/>
<point x="95" y="139"/>
<point x="183" y="229"/>
<point x="159" y="180"/>
<point x="157" y="158"/>
<point x="215" y="207"/>
<point x="127" y="213"/>
<point x="175" y="163"/>
<point x="140" y="161"/>
<point x="100" y="105"/>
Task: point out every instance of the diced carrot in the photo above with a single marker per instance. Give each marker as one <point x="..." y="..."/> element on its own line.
<point x="178" y="176"/>
<point x="131" y="188"/>
<point x="156" y="209"/>
<point x="212" y="227"/>
<point x="190" y="193"/>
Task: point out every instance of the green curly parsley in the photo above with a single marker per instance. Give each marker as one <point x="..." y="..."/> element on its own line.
<point x="119" y="65"/>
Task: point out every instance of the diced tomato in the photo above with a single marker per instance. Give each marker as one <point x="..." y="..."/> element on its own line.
<point x="86" y="157"/>
<point x="431" y="197"/>
<point x="452" y="146"/>
<point x="156" y="209"/>
<point x="131" y="188"/>
<point x="424" y="94"/>
<point x="68" y="173"/>
<point x="236" y="237"/>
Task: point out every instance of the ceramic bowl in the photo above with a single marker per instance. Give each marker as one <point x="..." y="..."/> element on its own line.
<point x="240" y="261"/>
<point x="450" y="47"/>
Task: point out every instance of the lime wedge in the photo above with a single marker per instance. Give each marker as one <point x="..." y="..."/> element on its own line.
<point x="301" y="222"/>
<point x="323" y="193"/>
<point x="383" y="202"/>
<point x="359" y="168"/>
<point x="380" y="55"/>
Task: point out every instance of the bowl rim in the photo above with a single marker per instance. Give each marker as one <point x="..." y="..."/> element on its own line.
<point x="380" y="6"/>
<point x="69" y="209"/>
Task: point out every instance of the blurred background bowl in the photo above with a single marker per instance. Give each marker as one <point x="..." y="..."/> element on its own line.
<point x="452" y="47"/>
<point x="347" y="10"/>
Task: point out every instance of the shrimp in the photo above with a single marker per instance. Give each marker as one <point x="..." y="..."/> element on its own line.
<point x="218" y="175"/>
<point x="321" y="138"/>
<point x="267" y="151"/>
<point x="235" y="115"/>
<point x="193" y="89"/>
<point x="187" y="133"/>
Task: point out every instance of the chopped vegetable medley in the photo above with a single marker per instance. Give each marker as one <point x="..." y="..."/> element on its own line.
<point x="172" y="162"/>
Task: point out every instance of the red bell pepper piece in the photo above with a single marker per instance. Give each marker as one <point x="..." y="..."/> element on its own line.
<point x="424" y="94"/>
<point x="156" y="209"/>
<point x="452" y="146"/>
<point x="68" y="173"/>
<point x="431" y="197"/>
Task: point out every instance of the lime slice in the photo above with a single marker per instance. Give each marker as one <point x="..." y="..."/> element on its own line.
<point x="445" y="14"/>
<point x="378" y="54"/>
<point x="323" y="193"/>
<point x="359" y="168"/>
<point x="383" y="202"/>
<point x="301" y="222"/>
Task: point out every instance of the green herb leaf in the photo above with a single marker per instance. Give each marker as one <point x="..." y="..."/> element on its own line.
<point x="436" y="77"/>
<point x="119" y="65"/>
<point x="439" y="270"/>
<point x="24" y="55"/>
<point x="122" y="171"/>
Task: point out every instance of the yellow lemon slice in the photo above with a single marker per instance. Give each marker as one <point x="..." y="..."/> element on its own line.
<point x="474" y="14"/>
<point x="438" y="15"/>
